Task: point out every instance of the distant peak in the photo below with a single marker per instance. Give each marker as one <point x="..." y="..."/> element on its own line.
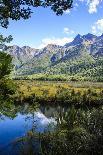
<point x="78" y="36"/>
<point x="15" y="46"/>
<point x="89" y="36"/>
<point x="102" y="35"/>
<point x="78" y="39"/>
<point x="52" y="45"/>
<point x="25" y="47"/>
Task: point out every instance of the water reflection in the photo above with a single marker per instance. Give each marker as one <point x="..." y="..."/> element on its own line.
<point x="26" y="130"/>
<point x="16" y="121"/>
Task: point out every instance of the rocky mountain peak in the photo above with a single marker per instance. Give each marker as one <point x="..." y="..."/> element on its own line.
<point x="52" y="46"/>
<point x="77" y="40"/>
<point x="89" y="37"/>
<point x="88" y="44"/>
<point x="102" y="35"/>
<point x="77" y="37"/>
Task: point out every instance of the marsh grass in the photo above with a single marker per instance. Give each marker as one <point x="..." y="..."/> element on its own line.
<point x="59" y="92"/>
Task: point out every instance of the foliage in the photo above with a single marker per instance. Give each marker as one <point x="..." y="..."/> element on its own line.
<point x="5" y="64"/>
<point x="81" y="132"/>
<point x="79" y="129"/>
<point x="5" y="39"/>
<point x="84" y="67"/>
<point x="78" y="132"/>
<point x="7" y="86"/>
<point x="64" y="93"/>
<point x="16" y="9"/>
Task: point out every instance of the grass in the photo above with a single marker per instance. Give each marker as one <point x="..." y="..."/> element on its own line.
<point x="58" y="77"/>
<point x="59" y="92"/>
<point x="28" y="87"/>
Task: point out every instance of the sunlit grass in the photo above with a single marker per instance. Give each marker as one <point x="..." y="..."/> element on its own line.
<point x="59" y="92"/>
<point x="29" y="87"/>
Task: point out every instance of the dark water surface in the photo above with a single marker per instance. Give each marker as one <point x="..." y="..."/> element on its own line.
<point x="16" y="121"/>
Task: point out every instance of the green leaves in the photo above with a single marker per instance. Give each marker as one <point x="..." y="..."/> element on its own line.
<point x="5" y="39"/>
<point x="6" y="86"/>
<point x="16" y="9"/>
<point x="5" y="64"/>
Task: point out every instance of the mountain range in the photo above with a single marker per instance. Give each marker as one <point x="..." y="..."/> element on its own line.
<point x="83" y="56"/>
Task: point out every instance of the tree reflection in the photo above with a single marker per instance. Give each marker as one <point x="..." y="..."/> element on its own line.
<point x="10" y="110"/>
<point x="79" y="132"/>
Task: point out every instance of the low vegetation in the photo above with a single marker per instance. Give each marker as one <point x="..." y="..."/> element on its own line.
<point x="69" y="93"/>
<point x="60" y="77"/>
<point x="78" y="132"/>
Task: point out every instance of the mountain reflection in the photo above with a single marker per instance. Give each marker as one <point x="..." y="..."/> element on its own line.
<point x="16" y="121"/>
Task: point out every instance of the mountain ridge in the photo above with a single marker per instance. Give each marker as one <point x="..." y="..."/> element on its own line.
<point x="82" y="54"/>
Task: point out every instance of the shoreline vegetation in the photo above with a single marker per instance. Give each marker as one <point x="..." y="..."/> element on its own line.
<point x="68" y="77"/>
<point x="78" y="132"/>
<point x="53" y="93"/>
<point x="79" y="129"/>
<point x="58" y="77"/>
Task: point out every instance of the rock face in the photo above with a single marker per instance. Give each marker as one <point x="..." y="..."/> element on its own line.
<point x="21" y="55"/>
<point x="89" y="43"/>
<point x="82" y="50"/>
<point x="89" y="38"/>
<point x="97" y="46"/>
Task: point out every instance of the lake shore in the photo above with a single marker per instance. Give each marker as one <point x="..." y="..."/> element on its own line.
<point x="64" y="93"/>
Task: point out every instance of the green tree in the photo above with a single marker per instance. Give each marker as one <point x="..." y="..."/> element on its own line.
<point x="5" y="64"/>
<point x="16" y="9"/>
<point x="5" y="59"/>
<point x="7" y="87"/>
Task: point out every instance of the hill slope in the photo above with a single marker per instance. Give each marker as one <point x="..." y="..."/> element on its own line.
<point x="82" y="57"/>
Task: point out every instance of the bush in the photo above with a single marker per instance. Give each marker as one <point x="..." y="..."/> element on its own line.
<point x="7" y="87"/>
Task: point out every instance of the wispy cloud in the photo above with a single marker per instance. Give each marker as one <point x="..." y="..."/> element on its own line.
<point x="92" y="5"/>
<point x="68" y="31"/>
<point x="53" y="40"/>
<point x="97" y="28"/>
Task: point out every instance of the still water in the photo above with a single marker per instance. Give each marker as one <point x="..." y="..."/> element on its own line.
<point x="16" y="121"/>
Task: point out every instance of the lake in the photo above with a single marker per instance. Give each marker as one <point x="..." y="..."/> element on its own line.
<point x="16" y="121"/>
<point x="32" y="129"/>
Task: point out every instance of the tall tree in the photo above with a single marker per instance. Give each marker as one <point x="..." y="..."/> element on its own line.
<point x="6" y="85"/>
<point x="5" y="64"/>
<point x="16" y="9"/>
<point x="5" y="59"/>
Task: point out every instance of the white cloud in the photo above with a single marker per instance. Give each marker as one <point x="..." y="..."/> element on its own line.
<point x="75" y="6"/>
<point x="92" y="4"/>
<point x="53" y="40"/>
<point x="67" y="11"/>
<point x="68" y="31"/>
<point x="97" y="28"/>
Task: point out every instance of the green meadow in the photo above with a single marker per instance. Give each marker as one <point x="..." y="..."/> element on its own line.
<point x="57" y="92"/>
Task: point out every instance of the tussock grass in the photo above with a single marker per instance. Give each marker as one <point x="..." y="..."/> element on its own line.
<point x="59" y="92"/>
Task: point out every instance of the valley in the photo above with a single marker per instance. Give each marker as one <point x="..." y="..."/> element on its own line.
<point x="51" y="77"/>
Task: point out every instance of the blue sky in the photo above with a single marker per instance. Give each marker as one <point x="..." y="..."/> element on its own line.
<point x="44" y="27"/>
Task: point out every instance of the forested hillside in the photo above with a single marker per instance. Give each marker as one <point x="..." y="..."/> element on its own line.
<point x="83" y="57"/>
